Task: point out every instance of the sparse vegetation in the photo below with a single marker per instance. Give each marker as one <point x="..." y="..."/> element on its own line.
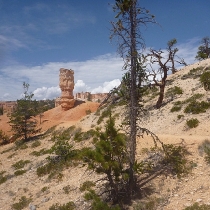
<point x="175" y="158"/>
<point x="205" y="80"/>
<point x="176" y="108"/>
<point x="180" y="116"/>
<point x="193" y="73"/>
<point x="205" y="144"/>
<point x="88" y="112"/>
<point x="19" y="172"/>
<point x="40" y="152"/>
<point x="4" y="139"/>
<point x="196" y="107"/>
<point x="20" y="144"/>
<point x="150" y="204"/>
<point x="97" y="203"/>
<point x="171" y="92"/>
<point x="104" y="114"/>
<point x="20" y="164"/>
<point x="68" y="206"/>
<point x="2" y="178"/>
<point x="35" y="144"/>
<point x="196" y="206"/>
<point x="205" y="148"/>
<point x="86" y="186"/>
<point x="192" y="123"/>
<point x="67" y="189"/>
<point x="44" y="189"/>
<point x="23" y="202"/>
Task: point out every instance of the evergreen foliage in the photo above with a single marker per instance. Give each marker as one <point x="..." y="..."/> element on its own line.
<point x="205" y="80"/>
<point x="109" y="158"/>
<point x="203" y="49"/>
<point x="22" y="118"/>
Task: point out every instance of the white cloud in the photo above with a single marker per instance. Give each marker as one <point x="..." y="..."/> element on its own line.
<point x="47" y="93"/>
<point x="80" y="86"/>
<point x="107" y="86"/>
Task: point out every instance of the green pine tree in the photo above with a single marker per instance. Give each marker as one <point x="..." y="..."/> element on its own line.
<point x="22" y="118"/>
<point x="109" y="157"/>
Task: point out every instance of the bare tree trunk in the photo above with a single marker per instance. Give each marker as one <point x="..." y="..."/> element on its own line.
<point x="133" y="99"/>
<point x="161" y="96"/>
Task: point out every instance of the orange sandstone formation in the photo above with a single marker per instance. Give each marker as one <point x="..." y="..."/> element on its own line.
<point x="66" y="84"/>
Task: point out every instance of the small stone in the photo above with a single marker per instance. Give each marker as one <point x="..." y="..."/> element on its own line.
<point x="198" y="200"/>
<point x="176" y="195"/>
<point x="187" y="204"/>
<point x="32" y="207"/>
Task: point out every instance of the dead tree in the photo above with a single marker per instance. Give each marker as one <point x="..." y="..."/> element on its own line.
<point x="165" y="65"/>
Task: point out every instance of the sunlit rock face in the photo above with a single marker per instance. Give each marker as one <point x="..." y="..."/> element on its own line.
<point x="66" y="83"/>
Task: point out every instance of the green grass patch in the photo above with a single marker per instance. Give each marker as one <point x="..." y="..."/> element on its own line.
<point x="192" y="123"/>
<point x="20" y="164"/>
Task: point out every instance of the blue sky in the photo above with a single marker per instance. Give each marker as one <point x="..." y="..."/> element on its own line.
<point x="37" y="38"/>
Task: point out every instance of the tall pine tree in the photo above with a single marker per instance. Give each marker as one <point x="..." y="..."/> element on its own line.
<point x="22" y="119"/>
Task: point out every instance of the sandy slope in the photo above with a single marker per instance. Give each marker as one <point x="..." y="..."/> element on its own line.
<point x="175" y="194"/>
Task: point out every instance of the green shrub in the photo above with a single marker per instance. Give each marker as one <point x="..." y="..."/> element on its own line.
<point x="19" y="172"/>
<point x="40" y="152"/>
<point x="4" y="139"/>
<point x="35" y="144"/>
<point x="175" y="158"/>
<point x="88" y="112"/>
<point x="205" y="148"/>
<point x="193" y="73"/>
<point x="20" y="164"/>
<point x="196" y="206"/>
<point x="67" y="189"/>
<point x="176" y="108"/>
<point x="171" y="92"/>
<point x="106" y="113"/>
<point x="178" y="103"/>
<point x="196" y="107"/>
<point x="44" y="189"/>
<point x="68" y="206"/>
<point x="21" y="144"/>
<point x="205" y="80"/>
<point x="23" y="202"/>
<point x="205" y="144"/>
<point x="86" y="186"/>
<point x="150" y="204"/>
<point x="193" y="98"/>
<point x="192" y="123"/>
<point x="180" y="116"/>
<point x="2" y="178"/>
<point x="81" y="136"/>
<point x="97" y="203"/>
